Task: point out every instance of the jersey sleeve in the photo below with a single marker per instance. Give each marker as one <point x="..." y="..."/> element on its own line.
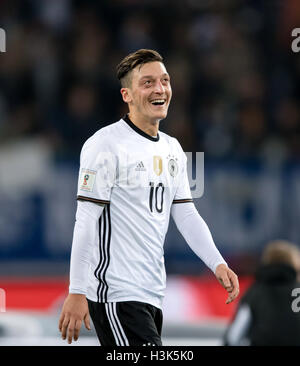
<point x="97" y="171"/>
<point x="183" y="192"/>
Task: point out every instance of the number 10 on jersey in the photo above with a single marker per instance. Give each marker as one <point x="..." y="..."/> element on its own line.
<point x="156" y="195"/>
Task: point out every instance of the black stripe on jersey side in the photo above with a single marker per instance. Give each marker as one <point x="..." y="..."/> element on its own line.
<point x="183" y="200"/>
<point x="102" y="253"/>
<point x="139" y="131"/>
<point x="103" y="259"/>
<point x="83" y="198"/>
<point x="104" y="290"/>
<point x="97" y="271"/>
<point x="100" y="223"/>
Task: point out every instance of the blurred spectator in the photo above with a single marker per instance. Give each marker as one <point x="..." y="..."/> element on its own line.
<point x="77" y="120"/>
<point x="288" y="125"/>
<point x="265" y="316"/>
<point x="135" y="33"/>
<point x="250" y="130"/>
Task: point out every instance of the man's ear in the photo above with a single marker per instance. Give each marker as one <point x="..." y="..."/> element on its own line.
<point x="126" y="95"/>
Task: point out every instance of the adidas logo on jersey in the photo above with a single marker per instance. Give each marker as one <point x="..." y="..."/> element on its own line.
<point x="140" y="167"/>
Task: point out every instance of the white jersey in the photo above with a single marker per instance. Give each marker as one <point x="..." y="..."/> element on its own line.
<point x="138" y="178"/>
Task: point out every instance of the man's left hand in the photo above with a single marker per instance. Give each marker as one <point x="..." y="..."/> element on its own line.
<point x="229" y="280"/>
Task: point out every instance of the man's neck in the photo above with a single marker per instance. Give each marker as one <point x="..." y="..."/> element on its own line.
<point x="150" y="127"/>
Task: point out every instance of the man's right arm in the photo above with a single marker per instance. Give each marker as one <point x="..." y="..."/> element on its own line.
<point x="95" y="181"/>
<point x="75" y="308"/>
<point x="85" y="232"/>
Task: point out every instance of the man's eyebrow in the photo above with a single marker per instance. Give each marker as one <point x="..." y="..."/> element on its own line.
<point x="152" y="77"/>
<point x="147" y="77"/>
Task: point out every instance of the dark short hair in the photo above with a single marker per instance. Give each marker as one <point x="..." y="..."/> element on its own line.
<point x="131" y="61"/>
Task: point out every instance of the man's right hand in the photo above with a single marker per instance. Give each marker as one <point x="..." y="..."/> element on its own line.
<point x="74" y="311"/>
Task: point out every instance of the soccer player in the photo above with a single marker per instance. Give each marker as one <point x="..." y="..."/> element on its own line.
<point x="132" y="177"/>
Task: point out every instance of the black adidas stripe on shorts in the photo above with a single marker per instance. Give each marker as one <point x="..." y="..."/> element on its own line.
<point x="128" y="323"/>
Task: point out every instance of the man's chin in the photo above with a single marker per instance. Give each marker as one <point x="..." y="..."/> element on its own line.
<point x="160" y="116"/>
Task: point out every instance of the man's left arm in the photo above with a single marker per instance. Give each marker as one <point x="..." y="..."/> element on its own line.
<point x="198" y="236"/>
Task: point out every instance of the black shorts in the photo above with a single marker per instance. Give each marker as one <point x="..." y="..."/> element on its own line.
<point x="128" y="323"/>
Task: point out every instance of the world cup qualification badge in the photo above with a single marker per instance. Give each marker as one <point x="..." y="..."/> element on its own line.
<point x="86" y="177"/>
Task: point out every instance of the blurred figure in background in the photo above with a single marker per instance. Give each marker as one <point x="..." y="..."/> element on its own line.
<point x="265" y="316"/>
<point x="77" y="119"/>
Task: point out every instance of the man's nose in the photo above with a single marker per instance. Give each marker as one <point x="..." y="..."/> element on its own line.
<point x="159" y="88"/>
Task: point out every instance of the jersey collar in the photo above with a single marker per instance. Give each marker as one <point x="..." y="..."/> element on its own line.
<point x="138" y="130"/>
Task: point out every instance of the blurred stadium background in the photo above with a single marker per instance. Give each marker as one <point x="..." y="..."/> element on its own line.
<point x="236" y="88"/>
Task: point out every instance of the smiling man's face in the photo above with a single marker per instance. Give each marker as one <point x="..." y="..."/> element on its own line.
<point x="150" y="92"/>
